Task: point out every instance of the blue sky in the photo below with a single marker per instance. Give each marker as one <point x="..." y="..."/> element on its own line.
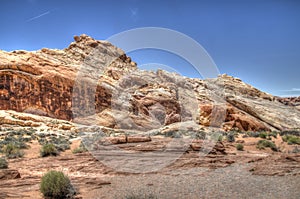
<point x="257" y="41"/>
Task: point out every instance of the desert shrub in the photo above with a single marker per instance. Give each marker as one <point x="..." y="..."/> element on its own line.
<point x="273" y="134"/>
<point x="269" y="138"/>
<point x="220" y="138"/>
<point x="263" y="135"/>
<point x="80" y="149"/>
<point x="173" y="134"/>
<point x="42" y="135"/>
<point x="262" y="144"/>
<point x="291" y="139"/>
<point x="61" y="143"/>
<point x="12" y="151"/>
<point x="216" y="136"/>
<point x="290" y="132"/>
<point x="48" y="150"/>
<point x="56" y="184"/>
<point x="200" y="135"/>
<point x="240" y="147"/>
<point x="3" y="163"/>
<point x="253" y="134"/>
<point x="18" y="141"/>
<point x="230" y="137"/>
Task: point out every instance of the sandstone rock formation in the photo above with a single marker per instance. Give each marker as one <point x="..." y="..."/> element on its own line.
<point x="291" y="101"/>
<point x="7" y="174"/>
<point x="42" y="82"/>
<point x="95" y="82"/>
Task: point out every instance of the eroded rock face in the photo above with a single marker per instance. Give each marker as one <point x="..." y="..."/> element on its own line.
<point x="254" y="108"/>
<point x="233" y="119"/>
<point x="42" y="82"/>
<point x="95" y="82"/>
<point x="290" y="101"/>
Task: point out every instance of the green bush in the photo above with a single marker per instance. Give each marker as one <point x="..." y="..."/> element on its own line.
<point x="56" y="184"/>
<point x="273" y="134"/>
<point x="263" y="135"/>
<point x="291" y="139"/>
<point x="48" y="150"/>
<point x="262" y="144"/>
<point x="3" y="163"/>
<point x="12" y="151"/>
<point x="240" y="147"/>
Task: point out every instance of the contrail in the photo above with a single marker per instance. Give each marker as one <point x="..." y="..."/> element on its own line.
<point x="36" y="17"/>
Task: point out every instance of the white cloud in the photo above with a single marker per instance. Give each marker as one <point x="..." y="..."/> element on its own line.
<point x="293" y="92"/>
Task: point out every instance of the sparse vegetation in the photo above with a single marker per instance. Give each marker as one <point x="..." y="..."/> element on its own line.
<point x="173" y="134"/>
<point x="295" y="150"/>
<point x="240" y="147"/>
<point x="273" y="134"/>
<point x="263" y="135"/>
<point x="290" y="132"/>
<point x="220" y="138"/>
<point x="262" y="144"/>
<point x="3" y="163"/>
<point x="291" y="139"/>
<point x="253" y="134"/>
<point x="18" y="141"/>
<point x="230" y="137"/>
<point x="80" y="149"/>
<point x="12" y="151"/>
<point x="61" y="143"/>
<point x="18" y="138"/>
<point x="49" y="150"/>
<point x="56" y="184"/>
<point x="217" y="136"/>
<point x="200" y="135"/>
<point x="140" y="196"/>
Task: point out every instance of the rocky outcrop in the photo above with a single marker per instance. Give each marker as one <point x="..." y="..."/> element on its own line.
<point x="42" y="82"/>
<point x="8" y="174"/>
<point x="94" y="82"/>
<point x="256" y="107"/>
<point x="290" y="101"/>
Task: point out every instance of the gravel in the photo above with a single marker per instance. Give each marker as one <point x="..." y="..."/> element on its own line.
<point x="234" y="181"/>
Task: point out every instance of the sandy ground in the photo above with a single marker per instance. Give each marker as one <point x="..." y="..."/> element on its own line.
<point x="237" y="174"/>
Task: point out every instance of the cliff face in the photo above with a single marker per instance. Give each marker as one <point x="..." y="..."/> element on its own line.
<point x="42" y="82"/>
<point x="64" y="84"/>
